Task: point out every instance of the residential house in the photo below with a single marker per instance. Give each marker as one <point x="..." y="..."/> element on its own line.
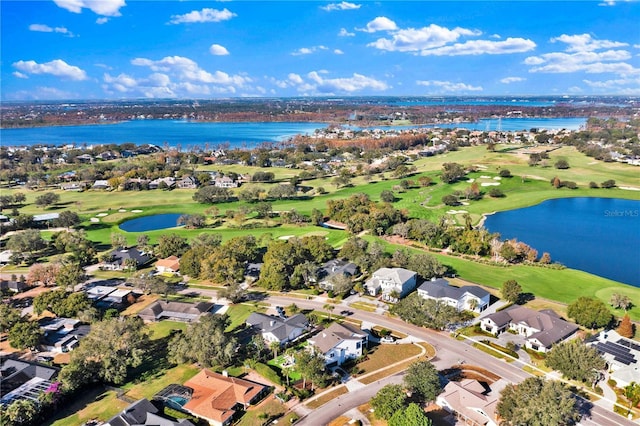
<point x="62" y="335"/>
<point x="542" y="329"/>
<point x="225" y="182"/>
<point x="468" y="297"/>
<point x="333" y="267"/>
<point x="73" y="186"/>
<point x="169" y="265"/>
<point x="108" y="297"/>
<point x="169" y="182"/>
<point x="84" y="158"/>
<point x="13" y="285"/>
<point x="187" y="182"/>
<point x="136" y="184"/>
<point x="472" y="402"/>
<point x="24" y="380"/>
<point x="101" y="184"/>
<point x="391" y="283"/>
<point x="126" y="258"/>
<point x="278" y="329"/>
<point x="339" y="343"/>
<point x="621" y="354"/>
<point x="106" y="156"/>
<point x="143" y="413"/>
<point x="217" y="397"/>
<point x="175" y="311"/>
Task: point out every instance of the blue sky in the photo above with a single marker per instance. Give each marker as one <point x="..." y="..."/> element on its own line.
<point x="114" y="49"/>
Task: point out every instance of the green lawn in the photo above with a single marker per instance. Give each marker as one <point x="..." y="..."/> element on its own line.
<point x="162" y="329"/>
<point x="240" y="312"/>
<point x="149" y="388"/>
<point x="100" y="405"/>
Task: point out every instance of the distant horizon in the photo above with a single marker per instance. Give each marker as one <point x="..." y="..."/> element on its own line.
<point x="126" y="49"/>
<point x="324" y="97"/>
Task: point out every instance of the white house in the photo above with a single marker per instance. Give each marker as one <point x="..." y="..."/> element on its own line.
<point x="278" y="329"/>
<point x="542" y="329"/>
<point x="339" y="343"/>
<point x="391" y="282"/>
<point x="468" y="297"/>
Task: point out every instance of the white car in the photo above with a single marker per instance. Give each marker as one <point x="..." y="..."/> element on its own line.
<point x="387" y="339"/>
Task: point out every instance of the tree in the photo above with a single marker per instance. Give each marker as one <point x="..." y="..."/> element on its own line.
<point x="511" y="291"/>
<point x="212" y="194"/>
<point x="118" y="240"/>
<point x="47" y="199"/>
<point x="632" y="393"/>
<point x="27" y="241"/>
<point x="21" y="412"/>
<point x="590" y="312"/>
<point x="264" y="210"/>
<point x="8" y="317"/>
<point x="424" y="181"/>
<point x="69" y="275"/>
<point x="192" y="221"/>
<point x="341" y="181"/>
<point x="505" y="173"/>
<point x="626" y="327"/>
<point x="545" y="259"/>
<point x="388" y="400"/>
<point x="67" y="219"/>
<point x="341" y="284"/>
<point x="222" y="266"/>
<point x="450" y="200"/>
<point x="452" y="172"/>
<point x="387" y="196"/>
<point x="538" y="402"/>
<point x="25" y="334"/>
<point x="422" y="378"/>
<point x="171" y="244"/>
<point x="425" y="313"/>
<point x="575" y="360"/>
<point x="162" y="287"/>
<point x="608" y="184"/>
<point x="108" y="353"/>
<point x="620" y="301"/>
<point x="234" y="292"/>
<point x="413" y="415"/>
<point x="44" y="274"/>
<point x="496" y="193"/>
<point x="311" y="365"/>
<point x="329" y="308"/>
<point x="561" y="164"/>
<point x="204" y="342"/>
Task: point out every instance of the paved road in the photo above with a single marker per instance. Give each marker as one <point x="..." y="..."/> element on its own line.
<point x="449" y="352"/>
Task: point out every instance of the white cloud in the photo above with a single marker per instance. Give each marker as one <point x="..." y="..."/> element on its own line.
<point x="483" y="47"/>
<point x="610" y="61"/>
<point x="344" y="33"/>
<point x="624" y="86"/>
<point x="355" y="83"/>
<point x="584" y="42"/>
<point x="414" y="40"/>
<point x="99" y="7"/>
<point x="204" y="15"/>
<point x="57" y="67"/>
<point x="218" y="50"/>
<point x="295" y="78"/>
<point x="340" y="6"/>
<point x="338" y="52"/>
<point x="122" y="83"/>
<point x="448" y="86"/>
<point x="102" y="20"/>
<point x="42" y="28"/>
<point x="509" y="80"/>
<point x="184" y="70"/>
<point x="583" y="54"/>
<point x="381" y="23"/>
<point x="19" y="74"/>
<point x="308" y="50"/>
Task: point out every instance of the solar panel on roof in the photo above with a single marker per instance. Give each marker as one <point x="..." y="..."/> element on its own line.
<point x="622" y="361"/>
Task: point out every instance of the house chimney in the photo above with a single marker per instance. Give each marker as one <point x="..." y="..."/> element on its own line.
<point x="272" y="322"/>
<point x="225" y="373"/>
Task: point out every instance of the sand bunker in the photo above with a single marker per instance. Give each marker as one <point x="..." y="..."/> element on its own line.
<point x="94" y="220"/>
<point x="490" y="184"/>
<point x="136" y="211"/>
<point x="102" y="214"/>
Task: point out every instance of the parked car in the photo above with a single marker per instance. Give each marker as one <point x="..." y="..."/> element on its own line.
<point x="387" y="339"/>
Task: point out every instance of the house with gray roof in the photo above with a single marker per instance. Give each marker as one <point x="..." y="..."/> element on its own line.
<point x="621" y="354"/>
<point x="468" y="297"/>
<point x="339" y="343"/>
<point x="63" y="334"/>
<point x="335" y="267"/>
<point x="175" y="311"/>
<point x="391" y="283"/>
<point x="542" y="329"/>
<point x="143" y="413"/>
<point x="24" y="380"/>
<point x="472" y="402"/>
<point x="278" y="329"/>
<point x="122" y="258"/>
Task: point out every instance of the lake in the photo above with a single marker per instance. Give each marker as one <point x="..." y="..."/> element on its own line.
<point x="596" y="235"/>
<point x="159" y="132"/>
<point x="238" y="135"/>
<point x="151" y="223"/>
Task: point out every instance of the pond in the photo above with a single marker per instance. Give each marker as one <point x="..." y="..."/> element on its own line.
<point x="151" y="223"/>
<point x="596" y="235"/>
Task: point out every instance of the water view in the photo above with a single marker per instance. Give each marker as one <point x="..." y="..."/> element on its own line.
<point x="597" y="235"/>
<point x="151" y="223"/>
<point x="238" y="135"/>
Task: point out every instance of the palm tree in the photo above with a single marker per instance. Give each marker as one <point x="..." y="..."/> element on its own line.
<point x="473" y="304"/>
<point x="329" y="307"/>
<point x="274" y="346"/>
